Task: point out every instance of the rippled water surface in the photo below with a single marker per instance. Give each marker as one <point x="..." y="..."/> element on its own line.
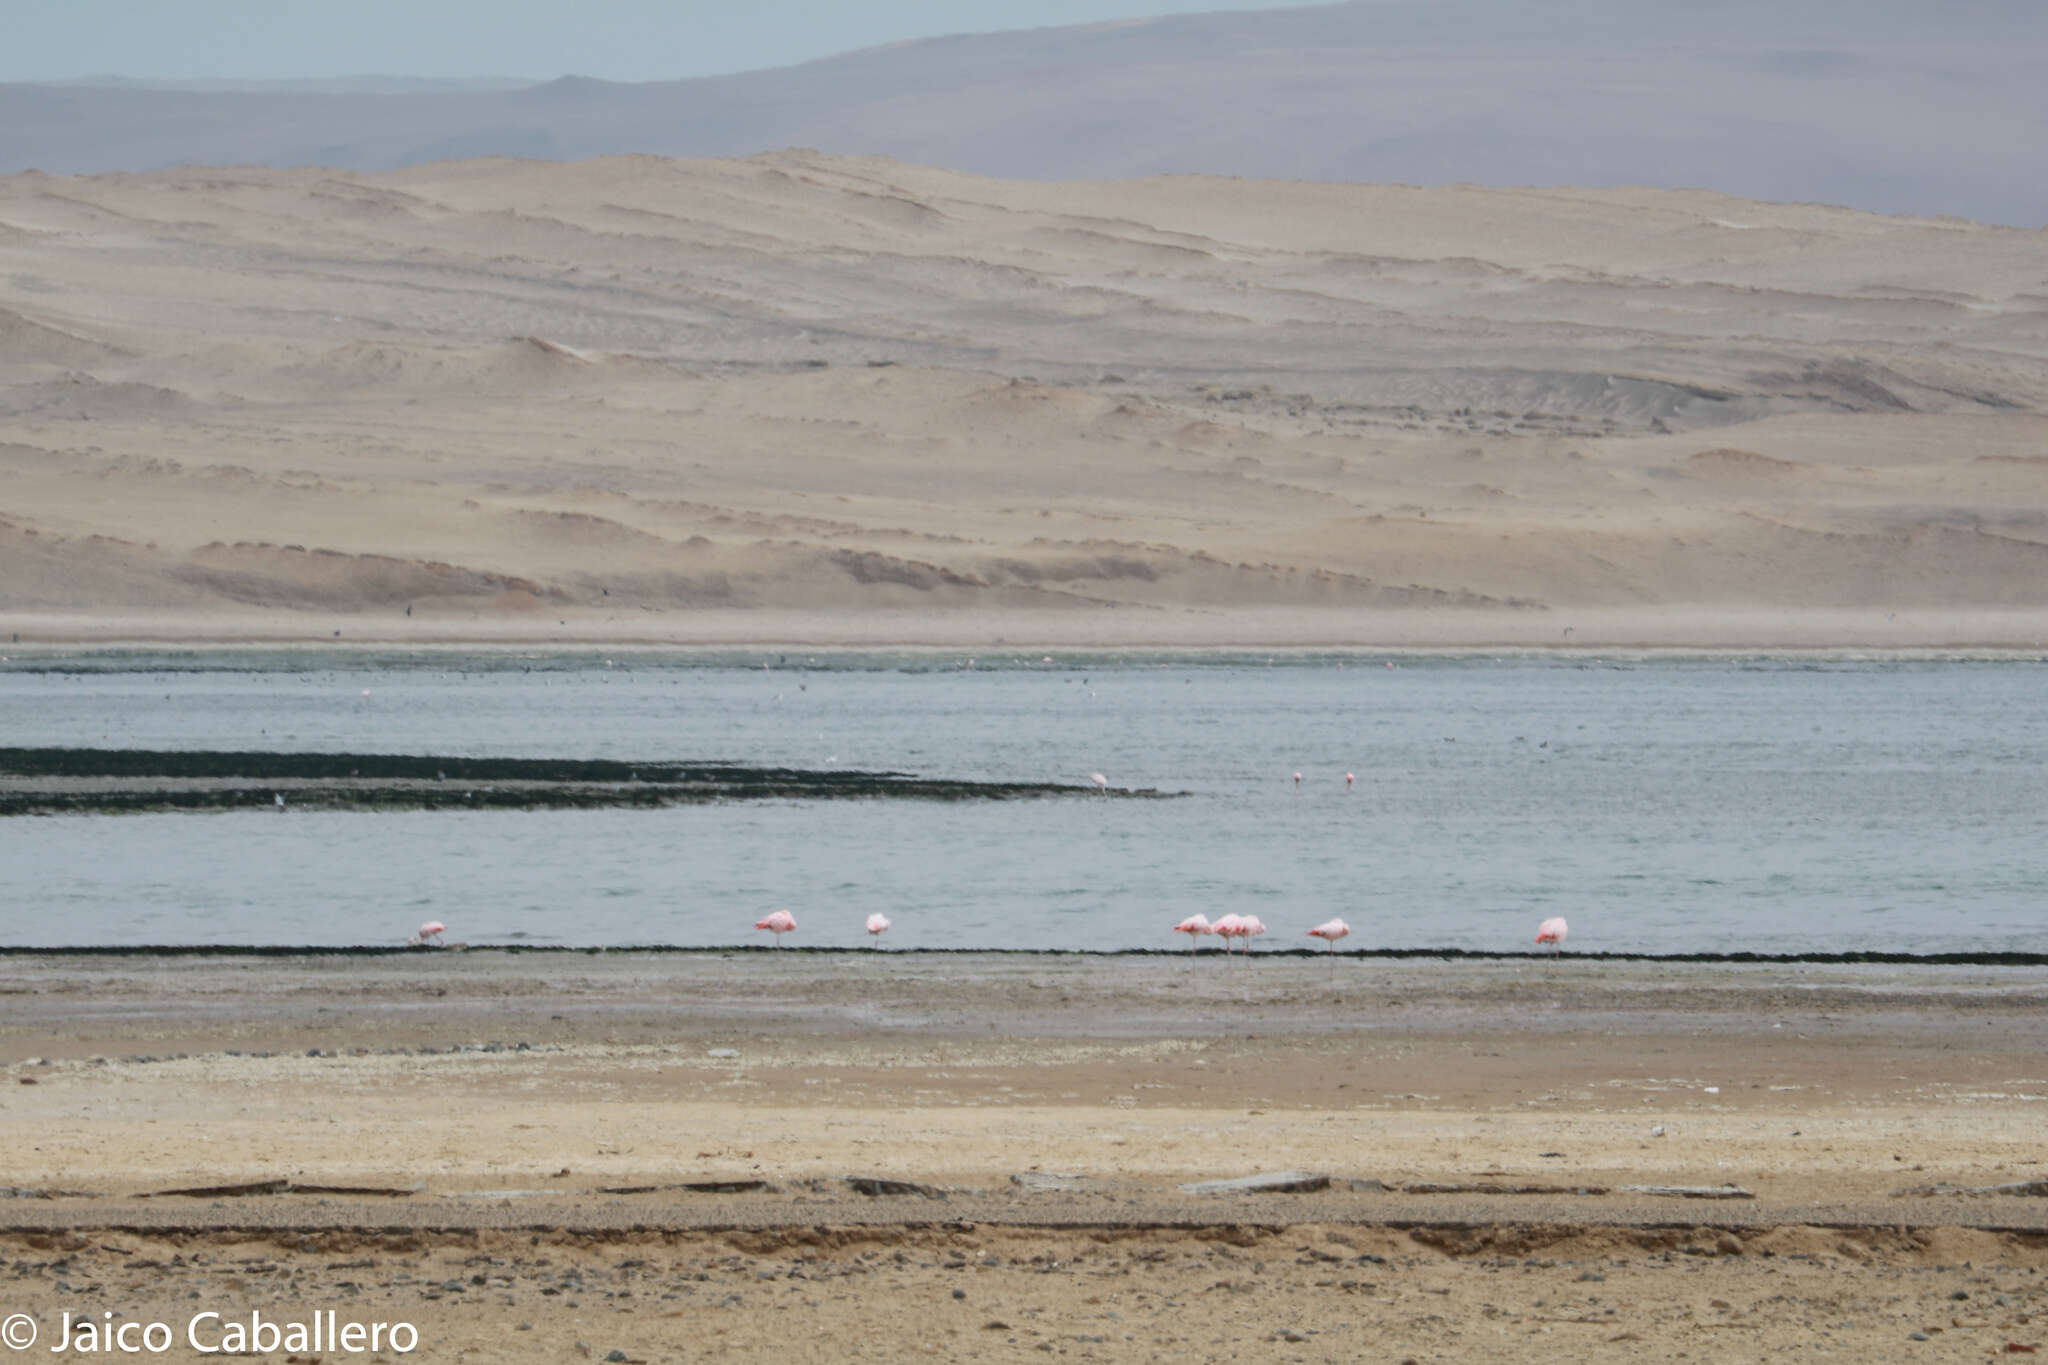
<point x="1661" y="804"/>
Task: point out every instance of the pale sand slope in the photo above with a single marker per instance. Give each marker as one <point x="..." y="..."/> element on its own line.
<point x="813" y="398"/>
<point x="1834" y="1089"/>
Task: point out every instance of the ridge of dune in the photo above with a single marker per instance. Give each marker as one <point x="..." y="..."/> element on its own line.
<point x="614" y="396"/>
<point x="27" y="342"/>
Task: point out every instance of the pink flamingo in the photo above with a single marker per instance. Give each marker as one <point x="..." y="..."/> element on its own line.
<point x="1552" y="931"/>
<point x="429" y="935"/>
<point x="1330" y="932"/>
<point x="1348" y="780"/>
<point x="878" y="925"/>
<point x="778" y="923"/>
<point x="1101" y="782"/>
<point x="1253" y="927"/>
<point x="1228" y="928"/>
<point x="1194" y="926"/>
<point x="1297" y="781"/>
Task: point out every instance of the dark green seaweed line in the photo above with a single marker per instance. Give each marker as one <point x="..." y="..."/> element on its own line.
<point x="263" y="950"/>
<point x="232" y="780"/>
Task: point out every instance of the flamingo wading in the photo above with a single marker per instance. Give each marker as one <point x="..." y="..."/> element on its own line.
<point x="1252" y="928"/>
<point x="1227" y="928"/>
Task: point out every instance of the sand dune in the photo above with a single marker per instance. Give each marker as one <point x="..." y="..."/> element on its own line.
<point x="621" y="398"/>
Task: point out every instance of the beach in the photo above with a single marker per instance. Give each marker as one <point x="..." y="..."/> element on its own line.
<point x="534" y="1121"/>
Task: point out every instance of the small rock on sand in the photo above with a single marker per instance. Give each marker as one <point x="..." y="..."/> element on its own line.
<point x="1275" y="1182"/>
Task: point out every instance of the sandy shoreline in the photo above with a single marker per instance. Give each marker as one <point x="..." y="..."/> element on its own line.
<point x="1407" y="1052"/>
<point x="509" y="1093"/>
<point x="1677" y="628"/>
<point x="1618" y="1048"/>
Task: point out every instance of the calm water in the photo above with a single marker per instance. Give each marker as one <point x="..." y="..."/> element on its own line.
<point x="1663" y="805"/>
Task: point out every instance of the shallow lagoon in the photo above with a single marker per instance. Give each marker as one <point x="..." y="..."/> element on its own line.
<point x="1664" y="804"/>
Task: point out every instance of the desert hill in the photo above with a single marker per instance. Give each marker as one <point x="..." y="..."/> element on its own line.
<point x="645" y="398"/>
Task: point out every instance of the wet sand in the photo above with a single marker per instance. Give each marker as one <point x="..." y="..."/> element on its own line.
<point x="508" y="1093"/>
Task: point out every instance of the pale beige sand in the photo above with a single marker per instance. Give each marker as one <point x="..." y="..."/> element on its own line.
<point x="968" y="1291"/>
<point x="1824" y="1091"/>
<point x="974" y="631"/>
<point x="810" y="399"/>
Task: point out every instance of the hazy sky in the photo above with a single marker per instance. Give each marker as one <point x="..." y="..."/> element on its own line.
<point x="624" y="40"/>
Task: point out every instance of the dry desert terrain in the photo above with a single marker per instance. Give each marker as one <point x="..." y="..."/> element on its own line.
<point x="801" y="397"/>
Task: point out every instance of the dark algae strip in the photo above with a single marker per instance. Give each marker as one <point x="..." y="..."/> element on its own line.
<point x="115" y="781"/>
<point x="266" y="764"/>
<point x="310" y="950"/>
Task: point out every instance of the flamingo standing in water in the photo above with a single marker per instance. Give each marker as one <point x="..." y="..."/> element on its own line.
<point x="878" y="925"/>
<point x="1552" y="931"/>
<point x="1194" y="926"/>
<point x="1101" y="782"/>
<point x="778" y="923"/>
<point x="429" y="935"/>
<point x="1253" y="927"/>
<point x="1329" y="932"/>
<point x="1228" y="928"/>
<point x="1348" y="780"/>
<point x="1297" y="781"/>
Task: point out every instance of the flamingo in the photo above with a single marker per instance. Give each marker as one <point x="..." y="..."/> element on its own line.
<point x="1330" y="932"/>
<point x="1101" y="782"/>
<point x="878" y="925"/>
<point x="1552" y="931"/>
<point x="1253" y="927"/>
<point x="1194" y="926"/>
<point x="778" y="923"/>
<point x="429" y="935"/>
<point x="1348" y="780"/>
<point x="1228" y="928"/>
<point x="1297" y="781"/>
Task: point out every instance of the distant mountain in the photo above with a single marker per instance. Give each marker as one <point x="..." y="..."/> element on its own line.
<point x="310" y="85"/>
<point x="1890" y="105"/>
